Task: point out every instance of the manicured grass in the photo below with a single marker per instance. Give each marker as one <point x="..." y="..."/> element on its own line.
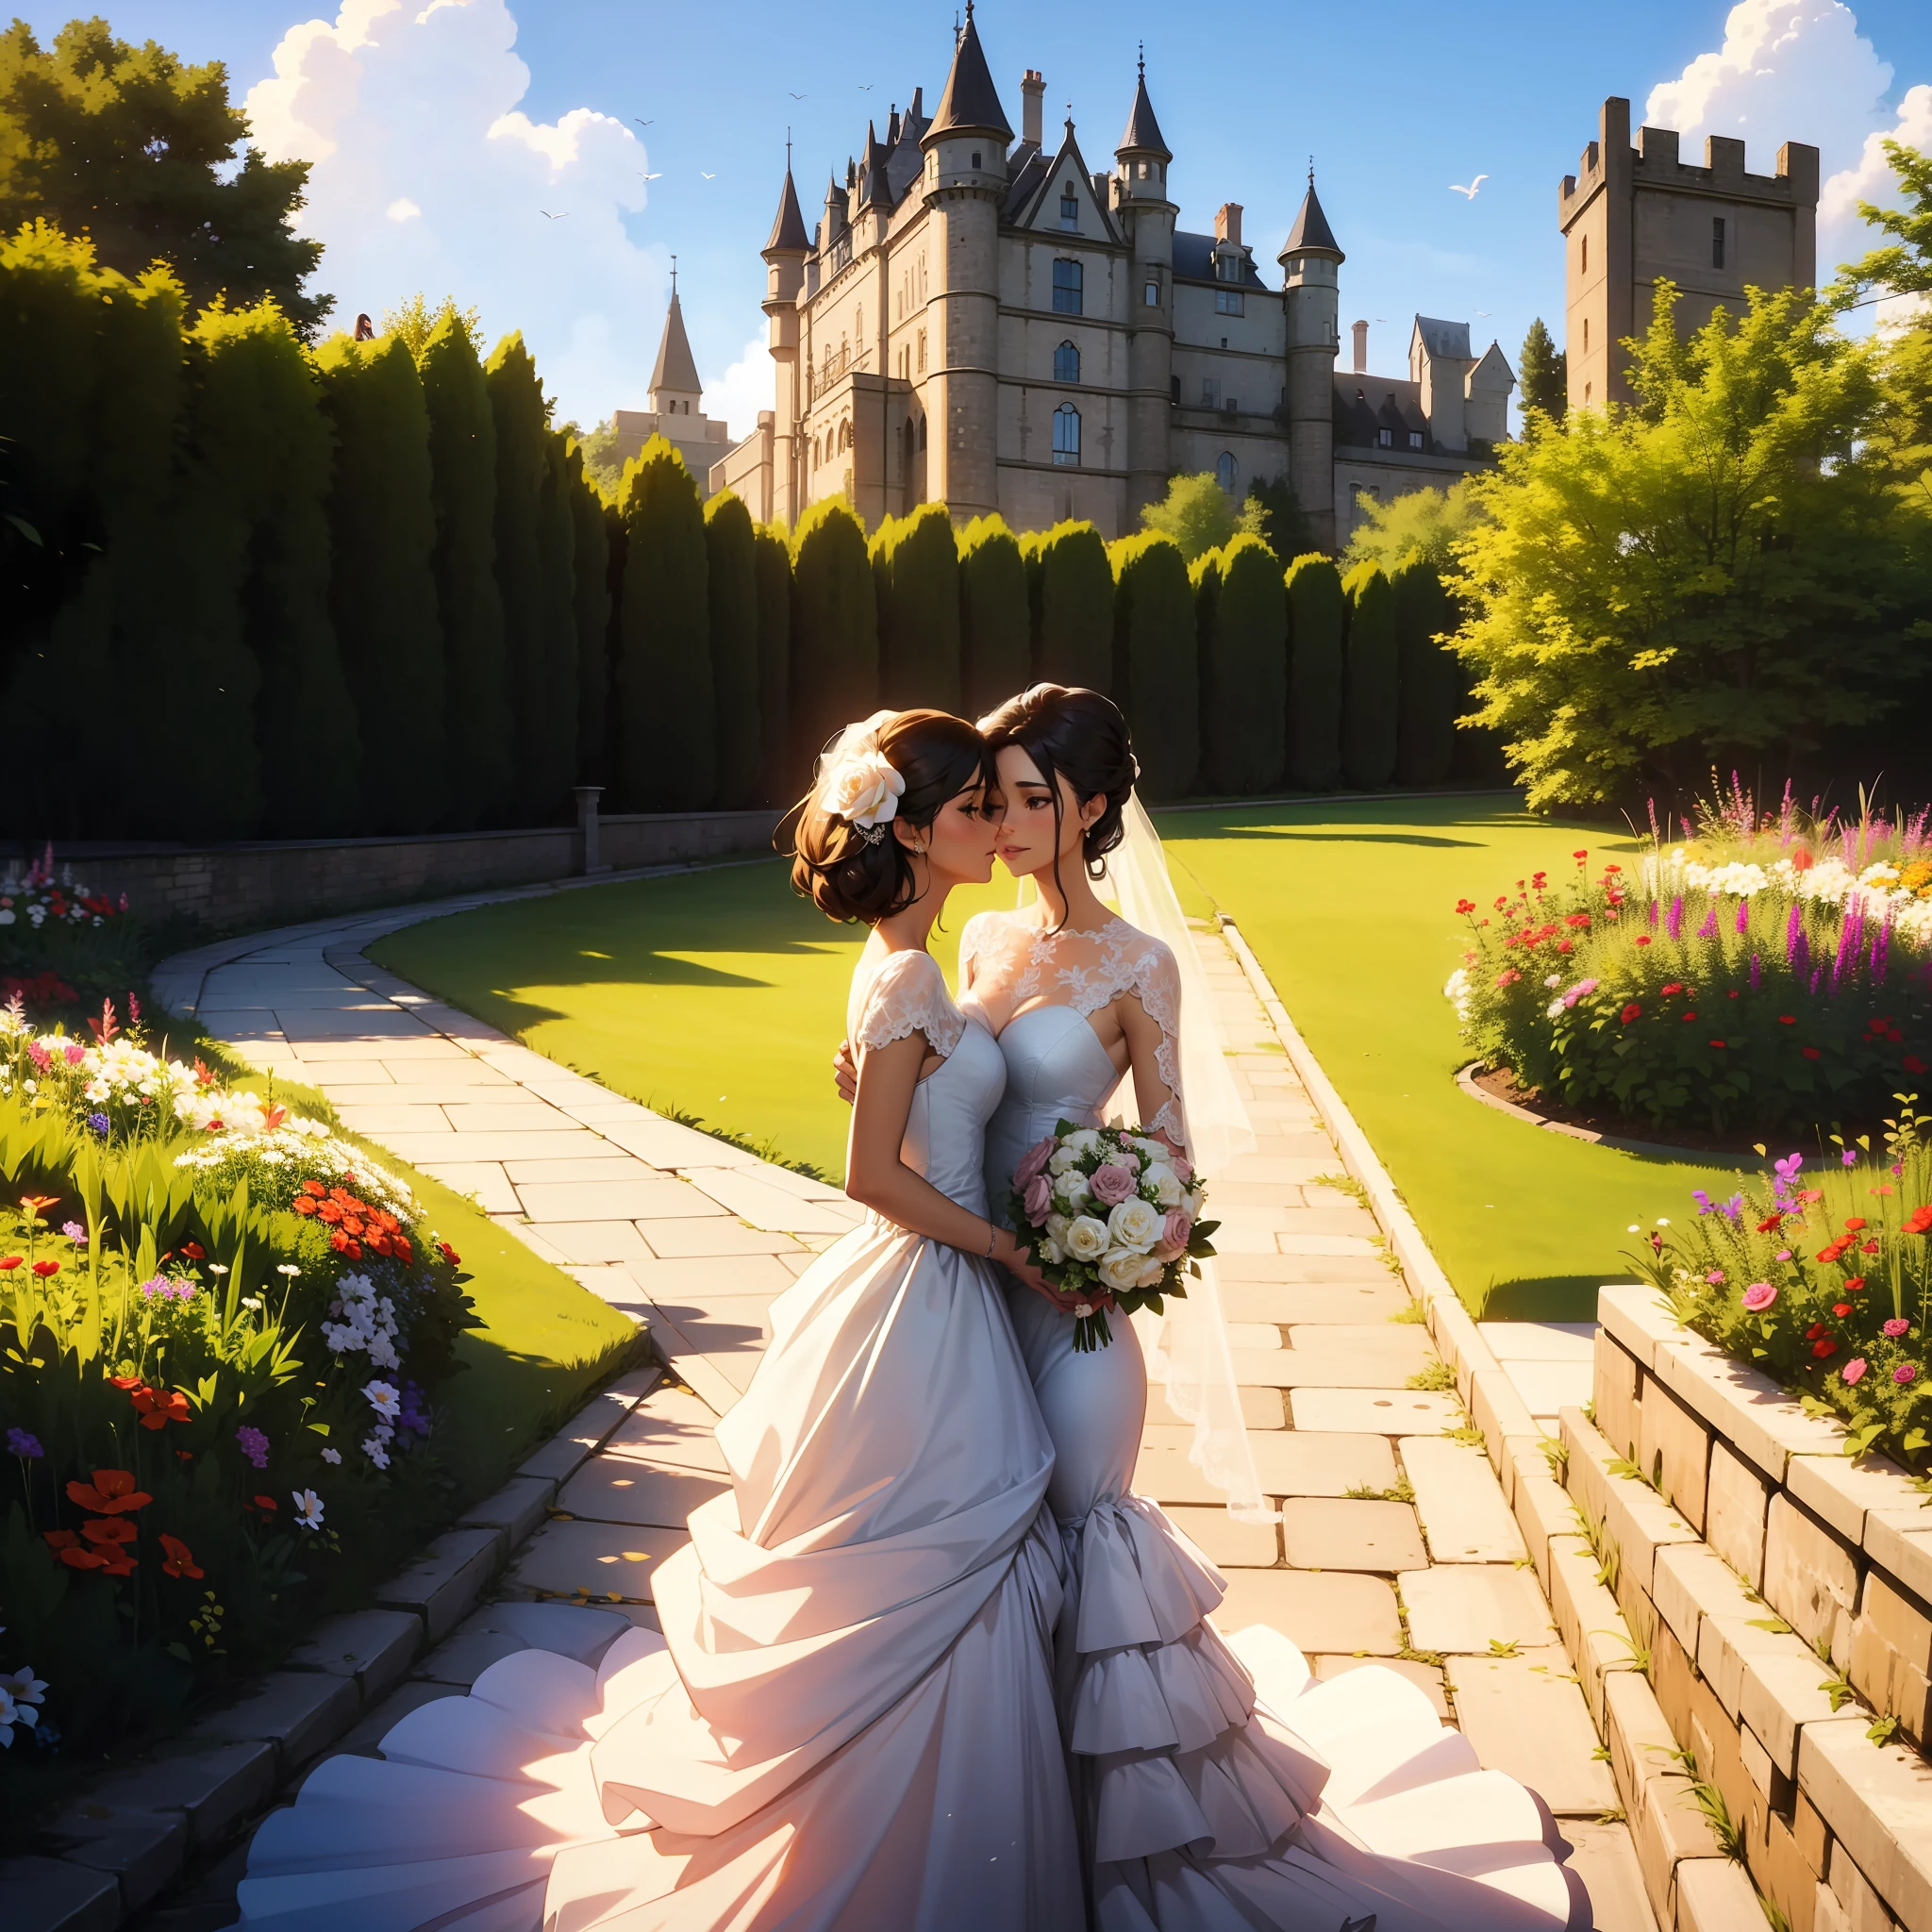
<point x="1350" y="908"/>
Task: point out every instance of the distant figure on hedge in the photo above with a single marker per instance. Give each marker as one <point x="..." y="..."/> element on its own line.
<point x="365" y="329"/>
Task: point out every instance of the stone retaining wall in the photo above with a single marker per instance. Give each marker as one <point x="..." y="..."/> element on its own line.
<point x="1750" y="1614"/>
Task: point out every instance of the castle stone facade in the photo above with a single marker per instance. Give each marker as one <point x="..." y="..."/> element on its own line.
<point x="982" y="320"/>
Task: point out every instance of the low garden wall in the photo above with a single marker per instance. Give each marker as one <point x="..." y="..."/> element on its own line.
<point x="265" y="882"/>
<point x="1750" y="1614"/>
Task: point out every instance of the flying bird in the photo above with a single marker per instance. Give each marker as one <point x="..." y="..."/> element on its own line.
<point x="1482" y="311"/>
<point x="643" y="123"/>
<point x="707" y="177"/>
<point x="795" y="97"/>
<point x="1456" y="186"/>
<point x="552" y="216"/>
<point x="865" y="87"/>
<point x="657" y="176"/>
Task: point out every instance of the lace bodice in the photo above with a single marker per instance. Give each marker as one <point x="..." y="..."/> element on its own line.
<point x="1008" y="965"/>
<point x="902" y="993"/>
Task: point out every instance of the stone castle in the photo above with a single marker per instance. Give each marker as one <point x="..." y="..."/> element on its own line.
<point x="984" y="321"/>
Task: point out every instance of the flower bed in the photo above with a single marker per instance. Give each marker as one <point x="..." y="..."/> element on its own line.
<point x="63" y="946"/>
<point x="222" y="1330"/>
<point x="1767" y="975"/>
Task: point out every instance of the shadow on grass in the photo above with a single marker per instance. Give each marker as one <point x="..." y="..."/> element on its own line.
<point x="1542" y="1298"/>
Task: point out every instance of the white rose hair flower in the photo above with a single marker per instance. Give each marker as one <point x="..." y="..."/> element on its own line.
<point x="863" y="789"/>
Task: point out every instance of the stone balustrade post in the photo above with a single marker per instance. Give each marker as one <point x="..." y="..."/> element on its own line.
<point x="587" y="797"/>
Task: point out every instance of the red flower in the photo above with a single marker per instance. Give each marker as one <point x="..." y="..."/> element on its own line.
<point x="1870" y="1248"/>
<point x="194" y="1251"/>
<point x="1577" y="919"/>
<point x="1630" y="1012"/>
<point x="1687" y="1016"/>
<point x="1854" y="1283"/>
<point x="110" y="1529"/>
<point x="110" y="1493"/>
<point x="1840" y="1309"/>
<point x="158" y="1407"/>
<point x="1822" y="1349"/>
<point x="1816" y="1329"/>
<point x="1717" y="1043"/>
<point x="1675" y="986"/>
<point x="1853" y="1223"/>
<point x="1465" y="905"/>
<point x="1787" y="1019"/>
<point x="1913" y="1064"/>
<point x="1771" y="1223"/>
<point x="1919" y="1220"/>
<point x="180" y="1557"/>
<point x="302" y="1204"/>
<point x="1810" y="1053"/>
<point x="267" y="1505"/>
<point x="1643" y="939"/>
<point x="344" y="1245"/>
<point x="44" y="1269"/>
<point x="1585" y="853"/>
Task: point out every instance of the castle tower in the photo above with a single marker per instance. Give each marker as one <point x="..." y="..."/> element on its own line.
<point x="785" y="256"/>
<point x="676" y="390"/>
<point x="1634" y="217"/>
<point x="964" y="185"/>
<point x="1147" y="216"/>
<point x="1310" y="258"/>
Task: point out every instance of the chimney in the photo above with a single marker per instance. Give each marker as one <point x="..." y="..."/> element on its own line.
<point x="1032" y="97"/>
<point x="1228" y="222"/>
<point x="1361" y="349"/>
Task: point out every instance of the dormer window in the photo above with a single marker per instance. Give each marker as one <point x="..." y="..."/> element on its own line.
<point x="1070" y="209"/>
<point x="1415" y="439"/>
<point x="1385" y="439"/>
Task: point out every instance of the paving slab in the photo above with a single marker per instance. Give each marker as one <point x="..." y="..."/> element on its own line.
<point x="1460" y="1502"/>
<point x="1604" y="1859"/>
<point x="596" y="1558"/>
<point x="1293" y="1462"/>
<point x="1467" y="1607"/>
<point x="1341" y="1533"/>
<point x="1375" y="1411"/>
<point x="617" y="1488"/>
<point x="1222" y="1540"/>
<point x="1525" y="1715"/>
<point x="1316" y="1609"/>
<point x="678" y="1241"/>
<point x="653" y="1197"/>
<point x="1299" y="1303"/>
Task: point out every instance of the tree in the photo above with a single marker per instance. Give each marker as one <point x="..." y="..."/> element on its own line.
<point x="590" y="594"/>
<point x="1317" y="616"/>
<point x="1421" y="526"/>
<point x="602" y="464"/>
<point x="665" y="698"/>
<point x="1157" y="665"/>
<point x="1544" y="370"/>
<point x="1369" y="687"/>
<point x="266" y="454"/>
<point x="731" y="554"/>
<point x="382" y="590"/>
<point x="776" y="772"/>
<point x="1070" y="587"/>
<point x="1198" y="515"/>
<point x="835" y="639"/>
<point x="916" y="576"/>
<point x="1242" y="619"/>
<point x="1281" y="523"/>
<point x="557" y="545"/>
<point x="1431" y="679"/>
<point x="135" y="150"/>
<point x="1903" y="265"/>
<point x="462" y="469"/>
<point x="416" y="321"/>
<point x="995" y="643"/>
<point x="1721" y="573"/>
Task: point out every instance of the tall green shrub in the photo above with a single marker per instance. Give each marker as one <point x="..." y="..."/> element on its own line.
<point x="1241" y="608"/>
<point x="382" y="592"/>
<point x="1371" y="687"/>
<point x="1071" y="584"/>
<point x="916" y="579"/>
<point x="543" y="734"/>
<point x="995" y="644"/>
<point x="557" y="536"/>
<point x="591" y="593"/>
<point x="835" y="643"/>
<point x="779" y="779"/>
<point x="732" y="552"/>
<point x="1157" y="663"/>
<point x="1431" y="677"/>
<point x="266" y="454"/>
<point x="664" y="686"/>
<point x="462" y="467"/>
<point x="1316" y="615"/>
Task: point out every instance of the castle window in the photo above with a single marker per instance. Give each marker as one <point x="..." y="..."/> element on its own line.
<point x="1066" y="434"/>
<point x="1066" y="288"/>
<point x="1070" y="209"/>
<point x="1717" y="240"/>
<point x="922" y="352"/>
<point x="1210" y="393"/>
<point x="1225" y="471"/>
<point x="1227" y="302"/>
<point x="1415" y="439"/>
<point x="1385" y="439"/>
<point x="922" y="432"/>
<point x="1173" y="383"/>
<point x="1150" y="295"/>
<point x="976" y="160"/>
<point x="1066" y="363"/>
<point x="1585" y="335"/>
<point x="1586" y="255"/>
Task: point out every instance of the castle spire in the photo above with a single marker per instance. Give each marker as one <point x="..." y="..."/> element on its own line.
<point x="675" y="371"/>
<point x="971" y="101"/>
<point x="1142" y="135"/>
<point x="787" y="230"/>
<point x="1311" y="234"/>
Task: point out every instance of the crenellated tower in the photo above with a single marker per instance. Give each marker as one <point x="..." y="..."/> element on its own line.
<point x="1310" y="259"/>
<point x="1147" y="219"/>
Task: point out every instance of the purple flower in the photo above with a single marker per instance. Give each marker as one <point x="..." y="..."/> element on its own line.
<point x="20" y="1443"/>
<point x="1674" y="921"/>
<point x="1849" y="1157"/>
<point x="1715" y="1277"/>
<point x="1782" y="1255"/>
<point x="254" y="1445"/>
<point x="98" y="1124"/>
<point x="1734" y="1207"/>
<point x="1708" y="929"/>
<point x="1743" y="921"/>
<point x="1701" y="1199"/>
<point x="1756" y="972"/>
<point x="1905" y="1372"/>
<point x="1794" y="937"/>
<point x="1039" y="1199"/>
<point x="1898" y="1326"/>
<point x="73" y="1231"/>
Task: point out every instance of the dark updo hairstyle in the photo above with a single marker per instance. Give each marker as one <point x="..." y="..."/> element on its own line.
<point x="850" y="877"/>
<point x="1080" y="736"/>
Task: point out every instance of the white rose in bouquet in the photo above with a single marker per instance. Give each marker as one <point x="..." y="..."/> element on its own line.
<point x="1137" y="1224"/>
<point x="1150" y="1271"/>
<point x="1072" y="1192"/>
<point x="1063" y="1159"/>
<point x="1049" y="1253"/>
<point x="1121" y="1270"/>
<point x="1057" y="1229"/>
<point x="1165" y="1183"/>
<point x="1086" y="1239"/>
<point x="1084" y="1142"/>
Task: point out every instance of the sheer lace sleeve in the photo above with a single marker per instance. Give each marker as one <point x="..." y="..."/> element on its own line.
<point x="1155" y="983"/>
<point x="975" y="938"/>
<point x="906" y="994"/>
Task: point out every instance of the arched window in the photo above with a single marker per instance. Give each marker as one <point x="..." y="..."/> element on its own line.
<point x="1066" y="363"/>
<point x="1066" y="434"/>
<point x="1067" y="281"/>
<point x="1225" y="469"/>
<point x="922" y="432"/>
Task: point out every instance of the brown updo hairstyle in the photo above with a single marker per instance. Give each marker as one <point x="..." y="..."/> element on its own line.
<point x="1080" y="736"/>
<point x="847" y="876"/>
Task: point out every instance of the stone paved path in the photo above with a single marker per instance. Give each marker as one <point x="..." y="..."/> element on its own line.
<point x="1396" y="1544"/>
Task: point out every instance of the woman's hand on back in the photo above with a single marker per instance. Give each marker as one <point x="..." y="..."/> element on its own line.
<point x="846" y="1072"/>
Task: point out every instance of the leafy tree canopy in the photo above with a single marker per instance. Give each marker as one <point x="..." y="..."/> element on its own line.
<point x="1199" y="516"/>
<point x="1903" y="266"/>
<point x="1724" y="571"/>
<point x="1285" y="525"/>
<point x="416" y="321"/>
<point x="1424" y="526"/>
<point x="137" y="149"/>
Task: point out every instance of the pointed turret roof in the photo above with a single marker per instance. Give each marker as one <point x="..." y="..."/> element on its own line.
<point x="872" y="171"/>
<point x="971" y="100"/>
<point x="1311" y="234"/>
<point x="675" y="370"/>
<point x="1143" y="134"/>
<point x="787" y="230"/>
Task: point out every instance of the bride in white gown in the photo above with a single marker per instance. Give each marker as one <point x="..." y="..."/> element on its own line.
<point x="849" y="1720"/>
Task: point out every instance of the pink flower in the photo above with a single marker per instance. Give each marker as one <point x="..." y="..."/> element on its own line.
<point x="1716" y="1275"/>
<point x="1183" y="1167"/>
<point x="1782" y="1255"/>
<point x="1039" y="1199"/>
<point x="1852" y="1371"/>
<point x="1034" y="1161"/>
<point x="76" y="1054"/>
<point x="1905" y="1372"/>
<point x="1898" y="1326"/>
<point x="1175" y="1235"/>
<point x="1761" y="1294"/>
<point x="1111" y="1184"/>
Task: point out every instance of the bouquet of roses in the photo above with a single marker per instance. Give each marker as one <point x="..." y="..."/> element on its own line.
<point x="1103" y="1211"/>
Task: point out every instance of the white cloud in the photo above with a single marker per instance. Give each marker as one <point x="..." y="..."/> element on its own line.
<point x="427" y="176"/>
<point x="1799" y="70"/>
<point x="748" y="386"/>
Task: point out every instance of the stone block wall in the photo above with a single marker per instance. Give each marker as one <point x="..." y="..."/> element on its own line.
<point x="1751" y="1615"/>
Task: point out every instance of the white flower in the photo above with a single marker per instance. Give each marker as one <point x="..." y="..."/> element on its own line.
<point x="1165" y="1183"/>
<point x="1056" y="1227"/>
<point x="1136" y="1224"/>
<point x="332" y="1457"/>
<point x="6" y="918"/>
<point x="1555" y="1010"/>
<point x="1084" y="1140"/>
<point x="375" y="1447"/>
<point x="1049" y="1254"/>
<point x="24" y="1686"/>
<point x="1150" y="1271"/>
<point x="248" y="1301"/>
<point x="1555" y="979"/>
<point x="1121" y="1269"/>
<point x="1062" y="1160"/>
<point x="1072" y="1192"/>
<point x="383" y="1399"/>
<point x="307" y="1510"/>
<point x="11" y="1714"/>
<point x="1085" y="1238"/>
<point x="863" y="789"/>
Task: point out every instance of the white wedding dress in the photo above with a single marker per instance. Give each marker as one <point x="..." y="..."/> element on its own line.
<point x="849" y="1721"/>
<point x="1218" y="1786"/>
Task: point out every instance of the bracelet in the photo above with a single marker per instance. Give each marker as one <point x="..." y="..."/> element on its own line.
<point x="992" y="1238"/>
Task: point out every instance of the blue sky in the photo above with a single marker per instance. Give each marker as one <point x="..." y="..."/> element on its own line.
<point x="442" y="129"/>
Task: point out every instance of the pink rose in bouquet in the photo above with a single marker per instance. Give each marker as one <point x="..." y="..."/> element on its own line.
<point x="1176" y="1233"/>
<point x="1034" y="1160"/>
<point x="1039" y="1199"/>
<point x="1111" y="1184"/>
